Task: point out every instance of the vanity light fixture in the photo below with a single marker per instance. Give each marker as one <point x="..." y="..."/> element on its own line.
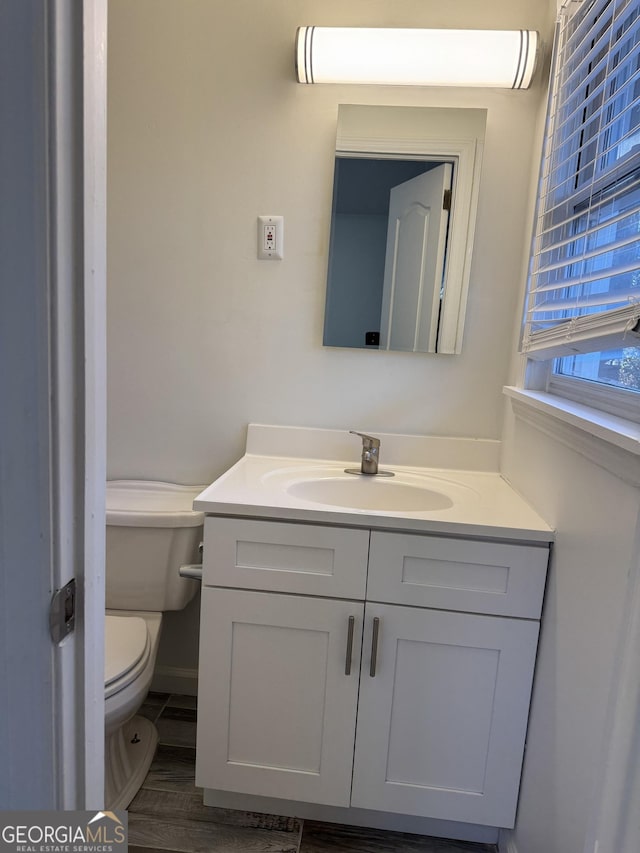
<point x="411" y="57"/>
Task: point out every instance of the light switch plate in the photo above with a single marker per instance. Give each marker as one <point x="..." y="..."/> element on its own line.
<point x="270" y="238"/>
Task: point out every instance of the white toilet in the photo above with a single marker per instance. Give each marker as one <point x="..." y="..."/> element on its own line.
<point x="151" y="532"/>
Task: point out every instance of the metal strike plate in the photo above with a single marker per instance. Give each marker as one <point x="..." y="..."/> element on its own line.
<point x="62" y="612"/>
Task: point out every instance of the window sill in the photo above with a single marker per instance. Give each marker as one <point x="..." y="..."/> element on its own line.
<point x="607" y="440"/>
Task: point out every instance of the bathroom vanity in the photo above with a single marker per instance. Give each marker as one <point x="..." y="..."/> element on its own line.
<point x="363" y="647"/>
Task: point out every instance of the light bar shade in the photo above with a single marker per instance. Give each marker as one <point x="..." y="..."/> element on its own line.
<point x="408" y="57"/>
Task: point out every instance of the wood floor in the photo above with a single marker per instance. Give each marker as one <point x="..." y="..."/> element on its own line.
<point x="167" y="813"/>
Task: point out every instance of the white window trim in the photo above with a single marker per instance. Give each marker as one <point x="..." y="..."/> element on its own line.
<point x="597" y="395"/>
<point x="602" y="423"/>
<point x="605" y="439"/>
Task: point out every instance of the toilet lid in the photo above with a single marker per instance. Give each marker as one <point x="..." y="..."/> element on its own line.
<point x="126" y="644"/>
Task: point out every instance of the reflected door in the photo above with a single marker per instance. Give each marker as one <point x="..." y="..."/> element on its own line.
<point x="414" y="265"/>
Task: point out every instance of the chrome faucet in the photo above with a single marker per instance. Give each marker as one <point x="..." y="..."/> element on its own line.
<point x="370" y="457"/>
<point x="370" y="452"/>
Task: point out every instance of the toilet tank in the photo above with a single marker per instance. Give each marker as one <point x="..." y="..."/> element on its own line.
<point x="151" y="531"/>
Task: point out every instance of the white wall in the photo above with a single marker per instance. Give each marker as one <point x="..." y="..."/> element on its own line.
<point x="207" y="130"/>
<point x="595" y="514"/>
<point x="358" y="254"/>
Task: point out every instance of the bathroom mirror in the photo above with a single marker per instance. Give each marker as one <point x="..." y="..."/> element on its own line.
<point x="404" y="204"/>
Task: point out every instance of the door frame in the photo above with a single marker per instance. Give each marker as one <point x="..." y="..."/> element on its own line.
<point x="89" y="697"/>
<point x="77" y="36"/>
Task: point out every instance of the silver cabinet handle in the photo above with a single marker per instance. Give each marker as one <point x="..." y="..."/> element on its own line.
<point x="347" y="663"/>
<point x="374" y="646"/>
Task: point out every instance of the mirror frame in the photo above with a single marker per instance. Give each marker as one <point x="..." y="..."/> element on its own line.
<point x="462" y="146"/>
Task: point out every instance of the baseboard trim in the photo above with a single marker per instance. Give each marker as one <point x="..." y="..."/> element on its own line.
<point x="506" y="843"/>
<point x="175" y="679"/>
<point x="351" y="816"/>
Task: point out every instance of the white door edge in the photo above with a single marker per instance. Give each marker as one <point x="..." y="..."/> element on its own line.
<point x="95" y="362"/>
<point x="77" y="41"/>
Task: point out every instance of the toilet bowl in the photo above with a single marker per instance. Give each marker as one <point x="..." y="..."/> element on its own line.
<point x="151" y="532"/>
<point x="131" y="645"/>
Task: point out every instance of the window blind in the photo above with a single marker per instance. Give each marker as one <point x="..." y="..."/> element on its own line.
<point x="584" y="283"/>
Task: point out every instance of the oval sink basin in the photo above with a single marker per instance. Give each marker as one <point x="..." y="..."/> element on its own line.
<point x="362" y="492"/>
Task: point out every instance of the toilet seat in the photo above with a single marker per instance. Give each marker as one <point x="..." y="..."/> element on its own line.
<point x="127" y="650"/>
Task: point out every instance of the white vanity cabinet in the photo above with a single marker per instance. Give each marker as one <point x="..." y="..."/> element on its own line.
<point x="368" y="669"/>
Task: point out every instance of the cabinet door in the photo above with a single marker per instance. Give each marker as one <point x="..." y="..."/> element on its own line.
<point x="276" y="708"/>
<point x="442" y="724"/>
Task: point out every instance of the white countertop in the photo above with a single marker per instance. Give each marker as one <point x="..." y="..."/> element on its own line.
<point x="482" y="503"/>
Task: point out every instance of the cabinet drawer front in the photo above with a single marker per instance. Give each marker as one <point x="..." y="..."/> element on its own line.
<point x="279" y="557"/>
<point x="453" y="574"/>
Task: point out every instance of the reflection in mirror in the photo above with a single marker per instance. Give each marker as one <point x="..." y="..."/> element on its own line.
<point x="404" y="199"/>
<point x="387" y="208"/>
